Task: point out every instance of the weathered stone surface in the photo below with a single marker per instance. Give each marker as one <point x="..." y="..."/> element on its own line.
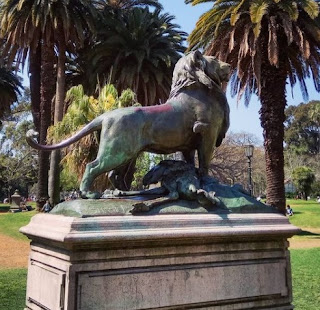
<point x="193" y="261"/>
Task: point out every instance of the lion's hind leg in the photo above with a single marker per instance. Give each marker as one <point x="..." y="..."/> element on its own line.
<point x="89" y="176"/>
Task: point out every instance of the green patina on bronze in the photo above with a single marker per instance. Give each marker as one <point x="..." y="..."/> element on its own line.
<point x="232" y="200"/>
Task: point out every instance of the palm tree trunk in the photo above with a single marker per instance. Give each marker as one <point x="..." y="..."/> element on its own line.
<point x="35" y="71"/>
<point x="273" y="102"/>
<point x="46" y="94"/>
<point x="54" y="172"/>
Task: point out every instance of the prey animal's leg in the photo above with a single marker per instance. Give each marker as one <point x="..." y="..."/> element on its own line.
<point x="207" y="198"/>
<point x="146" y="206"/>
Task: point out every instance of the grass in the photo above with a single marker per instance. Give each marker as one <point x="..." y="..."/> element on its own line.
<point x="306" y="213"/>
<point x="11" y="222"/>
<point x="13" y="288"/>
<point x="306" y="278"/>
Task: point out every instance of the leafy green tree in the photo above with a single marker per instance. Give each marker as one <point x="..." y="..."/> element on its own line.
<point x="135" y="49"/>
<point x="145" y="162"/>
<point x="303" y="178"/>
<point x="302" y="128"/>
<point x="82" y="109"/>
<point x="266" y="42"/>
<point x="18" y="161"/>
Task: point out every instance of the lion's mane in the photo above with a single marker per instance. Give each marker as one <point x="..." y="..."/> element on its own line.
<point x="191" y="69"/>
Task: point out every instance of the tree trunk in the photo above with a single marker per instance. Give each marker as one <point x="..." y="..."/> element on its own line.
<point x="273" y="102"/>
<point x="47" y="92"/>
<point x="35" y="71"/>
<point x="54" y="172"/>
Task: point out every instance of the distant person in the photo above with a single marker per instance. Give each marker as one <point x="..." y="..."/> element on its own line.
<point x="46" y="207"/>
<point x="289" y="210"/>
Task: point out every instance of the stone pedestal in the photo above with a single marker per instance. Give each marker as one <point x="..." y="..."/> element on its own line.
<point x="182" y="261"/>
<point x="15" y="202"/>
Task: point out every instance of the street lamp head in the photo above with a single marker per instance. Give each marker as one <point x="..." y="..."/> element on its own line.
<point x="248" y="149"/>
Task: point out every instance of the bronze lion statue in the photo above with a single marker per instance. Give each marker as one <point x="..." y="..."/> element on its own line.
<point x="195" y="118"/>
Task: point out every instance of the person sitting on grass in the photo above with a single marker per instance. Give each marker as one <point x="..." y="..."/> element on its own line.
<point x="289" y="210"/>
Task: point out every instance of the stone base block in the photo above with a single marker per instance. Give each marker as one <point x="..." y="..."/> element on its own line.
<point x="194" y="261"/>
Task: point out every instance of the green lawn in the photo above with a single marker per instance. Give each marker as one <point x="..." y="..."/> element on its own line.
<point x="11" y="222"/>
<point x="306" y="213"/>
<point x="306" y="278"/>
<point x="13" y="289"/>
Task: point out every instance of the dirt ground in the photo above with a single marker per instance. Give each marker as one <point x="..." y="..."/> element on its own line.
<point x="14" y="253"/>
<point x="305" y="242"/>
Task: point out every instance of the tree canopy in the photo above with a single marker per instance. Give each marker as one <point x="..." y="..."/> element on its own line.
<point x="302" y="128"/>
<point x="303" y="178"/>
<point x="18" y="161"/>
<point x="134" y="49"/>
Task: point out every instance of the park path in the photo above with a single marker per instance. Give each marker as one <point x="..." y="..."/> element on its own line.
<point x="306" y="243"/>
<point x="14" y="253"/>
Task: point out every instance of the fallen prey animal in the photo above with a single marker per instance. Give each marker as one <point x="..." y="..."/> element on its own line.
<point x="195" y="118"/>
<point x="178" y="179"/>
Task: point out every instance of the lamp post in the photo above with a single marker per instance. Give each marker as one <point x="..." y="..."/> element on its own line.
<point x="248" y="149"/>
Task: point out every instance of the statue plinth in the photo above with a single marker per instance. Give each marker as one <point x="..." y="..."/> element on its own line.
<point x="166" y="261"/>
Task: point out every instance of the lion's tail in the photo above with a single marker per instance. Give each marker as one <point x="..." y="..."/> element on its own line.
<point x="87" y="129"/>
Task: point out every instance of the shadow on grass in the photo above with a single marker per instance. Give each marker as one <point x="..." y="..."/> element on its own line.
<point x="308" y="233"/>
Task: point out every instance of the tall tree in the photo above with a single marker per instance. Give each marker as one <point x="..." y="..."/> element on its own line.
<point x="303" y="178"/>
<point x="302" y="128"/>
<point x="10" y="87"/>
<point x="10" y="84"/>
<point x="266" y="42"/>
<point x="129" y="4"/>
<point x="40" y="28"/>
<point x="135" y="49"/>
<point x="18" y="161"/>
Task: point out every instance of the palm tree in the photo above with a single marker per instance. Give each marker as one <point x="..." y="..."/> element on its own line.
<point x="10" y="87"/>
<point x="267" y="43"/>
<point x="129" y="4"/>
<point x="39" y="28"/>
<point x="135" y="49"/>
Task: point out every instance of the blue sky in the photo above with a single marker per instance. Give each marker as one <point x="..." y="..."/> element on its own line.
<point x="241" y="118"/>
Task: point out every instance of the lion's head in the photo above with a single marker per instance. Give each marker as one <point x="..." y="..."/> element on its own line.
<point x="196" y="67"/>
